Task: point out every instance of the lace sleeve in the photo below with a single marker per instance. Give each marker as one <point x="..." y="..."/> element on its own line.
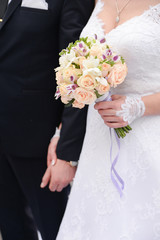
<point x="154" y="14"/>
<point x="89" y="30"/>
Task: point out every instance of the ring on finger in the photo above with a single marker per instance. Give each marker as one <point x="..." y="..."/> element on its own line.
<point x="53" y="162"/>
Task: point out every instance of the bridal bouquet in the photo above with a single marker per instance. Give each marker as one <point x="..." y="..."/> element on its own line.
<point x="88" y="69"/>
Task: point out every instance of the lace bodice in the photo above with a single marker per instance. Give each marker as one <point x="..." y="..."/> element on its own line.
<point x="143" y="69"/>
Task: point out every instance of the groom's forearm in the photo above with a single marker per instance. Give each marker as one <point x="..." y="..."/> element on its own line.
<point x="72" y="134"/>
<point x="74" y="17"/>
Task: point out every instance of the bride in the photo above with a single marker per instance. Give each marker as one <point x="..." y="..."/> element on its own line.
<point x="96" y="209"/>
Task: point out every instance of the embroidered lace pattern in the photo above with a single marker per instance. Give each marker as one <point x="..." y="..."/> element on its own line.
<point x="132" y="109"/>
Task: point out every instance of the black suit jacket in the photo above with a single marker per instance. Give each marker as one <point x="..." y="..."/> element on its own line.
<point x="30" y="40"/>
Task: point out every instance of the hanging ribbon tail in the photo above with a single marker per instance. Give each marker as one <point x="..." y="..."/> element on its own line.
<point x="118" y="181"/>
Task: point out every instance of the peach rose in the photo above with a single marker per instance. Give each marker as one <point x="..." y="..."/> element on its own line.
<point x="65" y="99"/>
<point x="59" y="77"/>
<point x="71" y="74"/>
<point x="77" y="73"/>
<point x="102" y="89"/>
<point x="106" y="68"/>
<point x="63" y="89"/>
<point x="67" y="73"/>
<point x="118" y="74"/>
<point x="83" y="96"/>
<point x="77" y="104"/>
<point x="88" y="82"/>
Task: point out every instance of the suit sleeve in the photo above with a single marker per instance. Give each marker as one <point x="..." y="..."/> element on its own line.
<point x="74" y="17"/>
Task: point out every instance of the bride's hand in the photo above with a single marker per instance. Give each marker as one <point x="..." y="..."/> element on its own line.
<point x="108" y="111"/>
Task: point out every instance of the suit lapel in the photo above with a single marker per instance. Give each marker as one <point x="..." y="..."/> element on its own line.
<point x="10" y="10"/>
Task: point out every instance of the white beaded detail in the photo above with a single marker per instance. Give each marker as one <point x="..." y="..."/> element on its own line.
<point x="132" y="109"/>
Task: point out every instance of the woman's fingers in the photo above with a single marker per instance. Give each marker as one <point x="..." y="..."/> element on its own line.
<point x="46" y="178"/>
<point x="116" y="97"/>
<point x="106" y="105"/>
<point x="107" y="112"/>
<point x="113" y="119"/>
<point x="116" y="125"/>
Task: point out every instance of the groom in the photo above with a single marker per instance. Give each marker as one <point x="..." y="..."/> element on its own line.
<point x="32" y="32"/>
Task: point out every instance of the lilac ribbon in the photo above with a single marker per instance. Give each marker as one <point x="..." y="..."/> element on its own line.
<point x="116" y="179"/>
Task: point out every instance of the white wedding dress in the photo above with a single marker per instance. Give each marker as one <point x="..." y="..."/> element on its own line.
<point x="95" y="209"/>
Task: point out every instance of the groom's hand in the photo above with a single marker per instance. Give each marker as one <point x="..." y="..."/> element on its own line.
<point x="58" y="176"/>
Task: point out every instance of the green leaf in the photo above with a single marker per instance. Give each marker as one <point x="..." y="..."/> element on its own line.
<point x="111" y="62"/>
<point x="76" y="65"/>
<point x="70" y="103"/>
<point x="63" y="52"/>
<point x="122" y="60"/>
<point x="97" y="94"/>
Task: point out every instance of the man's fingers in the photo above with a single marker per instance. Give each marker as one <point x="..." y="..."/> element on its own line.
<point x="46" y="178"/>
<point x="48" y="159"/>
<point x="53" y="183"/>
<point x="59" y="188"/>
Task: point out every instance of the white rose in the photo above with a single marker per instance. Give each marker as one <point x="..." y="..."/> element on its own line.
<point x="90" y="63"/>
<point x="102" y="81"/>
<point x="96" y="72"/>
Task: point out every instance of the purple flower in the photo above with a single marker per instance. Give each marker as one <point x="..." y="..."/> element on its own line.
<point x="115" y="58"/>
<point x="80" y="45"/>
<point x="95" y="36"/>
<point x="76" y="50"/>
<point x="72" y="78"/>
<point x="103" y="56"/>
<point x="57" y="94"/>
<point x="71" y="88"/>
<point x="103" y="40"/>
<point x="74" y="86"/>
<point x="109" y="52"/>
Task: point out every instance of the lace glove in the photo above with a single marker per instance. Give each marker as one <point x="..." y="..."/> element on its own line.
<point x="132" y="109"/>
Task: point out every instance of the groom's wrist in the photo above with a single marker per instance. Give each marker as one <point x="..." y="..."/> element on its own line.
<point x="57" y="133"/>
<point x="73" y="163"/>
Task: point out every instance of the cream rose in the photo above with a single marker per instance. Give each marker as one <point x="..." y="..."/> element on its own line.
<point x="96" y="51"/>
<point x="67" y="73"/>
<point x="88" y="82"/>
<point x="117" y="74"/>
<point x="91" y="63"/>
<point x="81" y="59"/>
<point x="102" y="89"/>
<point x="77" y="104"/>
<point x="83" y="96"/>
<point x="105" y="69"/>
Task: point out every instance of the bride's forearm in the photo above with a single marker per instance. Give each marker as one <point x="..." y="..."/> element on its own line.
<point x="152" y="104"/>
